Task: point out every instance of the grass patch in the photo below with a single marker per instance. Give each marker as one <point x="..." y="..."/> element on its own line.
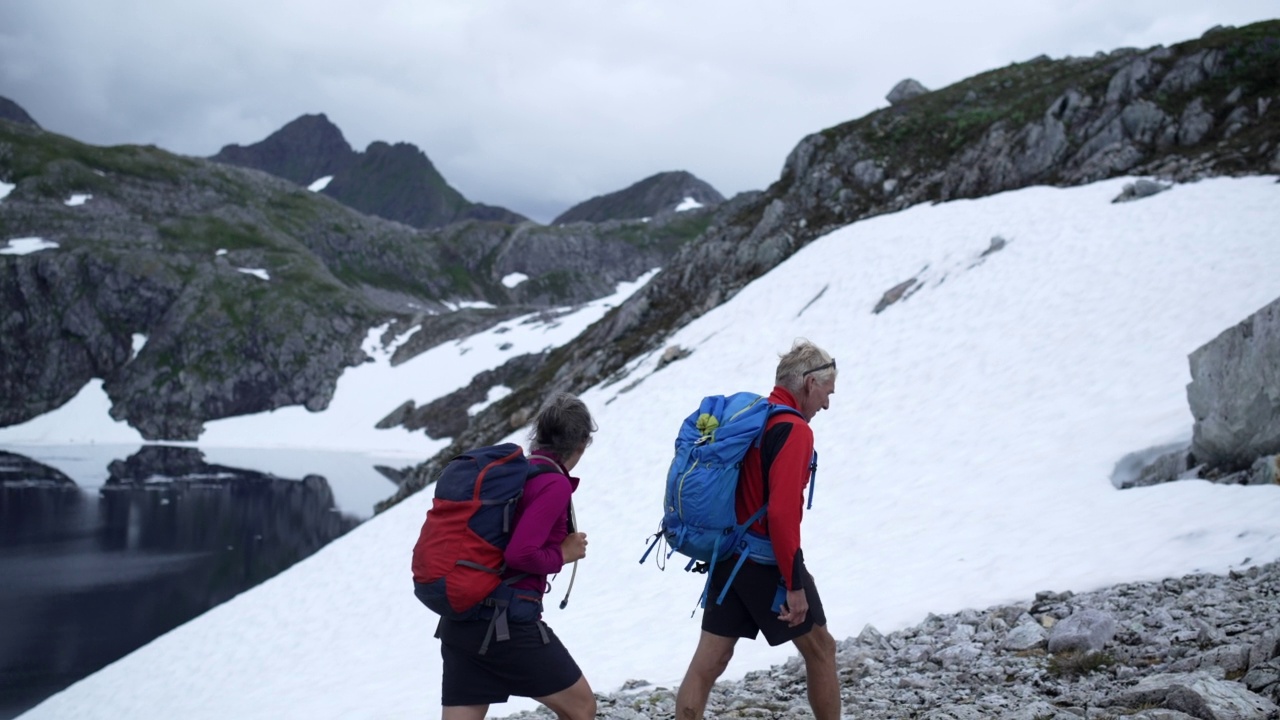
<point x="1074" y="663"/>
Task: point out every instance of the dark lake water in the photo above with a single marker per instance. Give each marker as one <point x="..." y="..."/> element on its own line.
<point x="102" y="549"/>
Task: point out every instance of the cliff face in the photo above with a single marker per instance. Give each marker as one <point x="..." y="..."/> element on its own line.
<point x="241" y="292"/>
<point x="1200" y="108"/>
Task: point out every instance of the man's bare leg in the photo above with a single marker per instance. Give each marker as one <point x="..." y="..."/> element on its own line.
<point x="575" y="702"/>
<point x="463" y="712"/>
<point x="818" y="649"/>
<point x="707" y="665"/>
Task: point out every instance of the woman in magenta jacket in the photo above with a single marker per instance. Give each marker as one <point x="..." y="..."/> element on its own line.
<point x="533" y="662"/>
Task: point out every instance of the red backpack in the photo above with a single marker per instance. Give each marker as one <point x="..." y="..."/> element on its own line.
<point x="458" y="559"/>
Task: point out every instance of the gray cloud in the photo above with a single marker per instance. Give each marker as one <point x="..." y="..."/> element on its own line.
<point x="536" y="106"/>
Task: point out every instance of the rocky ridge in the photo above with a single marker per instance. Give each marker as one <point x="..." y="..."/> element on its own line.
<point x="393" y="181"/>
<point x="1203" y="647"/>
<point x="1201" y="108"/>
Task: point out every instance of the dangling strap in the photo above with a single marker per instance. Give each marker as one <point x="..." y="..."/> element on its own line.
<point x="711" y="571"/>
<point x="742" y="557"/>
<point x="497" y="624"/>
<point x="656" y="538"/>
<point x="813" y="477"/>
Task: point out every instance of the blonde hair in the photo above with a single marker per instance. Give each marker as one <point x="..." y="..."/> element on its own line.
<point x="801" y="360"/>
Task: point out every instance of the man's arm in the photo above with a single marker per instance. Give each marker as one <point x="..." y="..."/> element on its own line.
<point x="787" y="476"/>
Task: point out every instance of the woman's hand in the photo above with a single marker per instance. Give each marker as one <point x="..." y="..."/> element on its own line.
<point x="574" y="547"/>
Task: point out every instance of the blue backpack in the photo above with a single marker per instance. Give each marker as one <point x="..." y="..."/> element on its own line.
<point x="699" y="518"/>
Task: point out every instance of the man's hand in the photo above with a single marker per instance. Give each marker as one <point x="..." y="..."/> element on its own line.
<point x="574" y="547"/>
<point x="795" y="608"/>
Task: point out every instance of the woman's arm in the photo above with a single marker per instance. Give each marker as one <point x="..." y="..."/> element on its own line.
<point x="532" y="548"/>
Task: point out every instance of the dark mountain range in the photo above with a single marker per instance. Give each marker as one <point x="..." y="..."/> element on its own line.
<point x="1201" y="108"/>
<point x="244" y="291"/>
<point x="11" y="111"/>
<point x="397" y="182"/>
<point x="653" y="196"/>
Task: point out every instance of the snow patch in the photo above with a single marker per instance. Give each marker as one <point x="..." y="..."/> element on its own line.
<point x="514" y="279"/>
<point x="320" y="184"/>
<point x="5" y="189"/>
<point x="465" y="304"/>
<point x="27" y="245"/>
<point x="221" y="252"/>
<point x="139" y="341"/>
<point x="77" y="199"/>
<point x="688" y="204"/>
<point x="256" y="272"/>
<point x="496" y="393"/>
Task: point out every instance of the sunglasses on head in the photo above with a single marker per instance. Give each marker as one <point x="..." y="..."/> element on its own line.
<point x="820" y="368"/>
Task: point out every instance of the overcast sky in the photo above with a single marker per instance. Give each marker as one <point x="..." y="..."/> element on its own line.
<point x="536" y="105"/>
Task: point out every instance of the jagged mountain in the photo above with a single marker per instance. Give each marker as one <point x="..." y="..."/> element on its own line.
<point x="198" y="290"/>
<point x="11" y="111"/>
<point x="654" y="196"/>
<point x="303" y="151"/>
<point x="1200" y="108"/>
<point x="397" y="182"/>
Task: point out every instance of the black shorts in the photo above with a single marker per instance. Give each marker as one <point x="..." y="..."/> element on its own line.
<point x="747" y="609"/>
<point x="522" y="665"/>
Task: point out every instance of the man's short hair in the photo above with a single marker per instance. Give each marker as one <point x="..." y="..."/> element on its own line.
<point x="804" y="358"/>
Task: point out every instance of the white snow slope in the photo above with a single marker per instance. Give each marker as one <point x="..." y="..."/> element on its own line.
<point x="965" y="459"/>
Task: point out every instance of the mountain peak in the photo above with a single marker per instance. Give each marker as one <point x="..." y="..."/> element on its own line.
<point x="655" y="195"/>
<point x="396" y="181"/>
<point x="13" y="112"/>
<point x="305" y="149"/>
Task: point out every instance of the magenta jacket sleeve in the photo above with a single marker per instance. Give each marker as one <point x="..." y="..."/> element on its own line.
<point x="541" y="527"/>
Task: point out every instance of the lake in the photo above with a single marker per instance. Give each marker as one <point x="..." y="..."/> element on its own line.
<point x="105" y="547"/>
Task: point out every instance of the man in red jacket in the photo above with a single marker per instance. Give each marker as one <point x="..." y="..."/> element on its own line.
<point x="779" y="600"/>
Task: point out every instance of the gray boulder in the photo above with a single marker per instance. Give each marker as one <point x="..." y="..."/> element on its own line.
<point x="1198" y="695"/>
<point x="1085" y="631"/>
<point x="1140" y="189"/>
<point x="1026" y="636"/>
<point x="1235" y="392"/>
<point x="905" y="90"/>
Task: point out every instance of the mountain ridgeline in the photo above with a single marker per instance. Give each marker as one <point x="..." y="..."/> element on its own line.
<point x="198" y="290"/>
<point x="1201" y="108"/>
<point x="396" y="182"/>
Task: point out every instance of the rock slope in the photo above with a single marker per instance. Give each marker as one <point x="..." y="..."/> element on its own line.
<point x="1200" y="647"/>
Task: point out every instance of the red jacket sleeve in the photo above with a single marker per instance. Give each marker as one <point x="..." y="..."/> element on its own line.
<point x="788" y="477"/>
<point x="535" y="540"/>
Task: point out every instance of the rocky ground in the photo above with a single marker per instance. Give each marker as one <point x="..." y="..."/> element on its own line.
<point x="1202" y="646"/>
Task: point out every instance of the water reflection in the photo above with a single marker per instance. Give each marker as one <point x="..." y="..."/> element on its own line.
<point x="90" y="574"/>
